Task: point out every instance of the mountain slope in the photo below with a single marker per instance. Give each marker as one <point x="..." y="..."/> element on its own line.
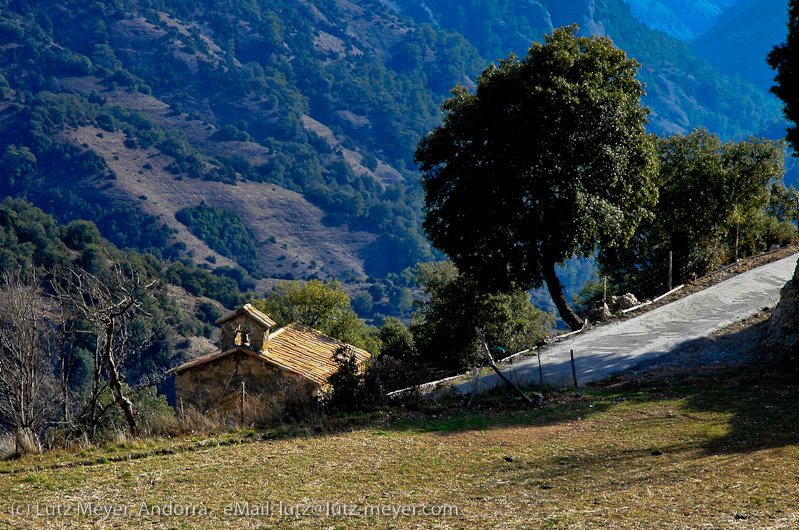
<point x="739" y="41"/>
<point x="682" y="19"/>
<point x="297" y="118"/>
<point x="225" y="92"/>
<point x="684" y="91"/>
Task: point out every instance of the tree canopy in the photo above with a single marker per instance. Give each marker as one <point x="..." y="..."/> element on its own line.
<point x="707" y="189"/>
<point x="547" y="159"/>
<point x="443" y="324"/>
<point x="783" y="58"/>
<point x="320" y="305"/>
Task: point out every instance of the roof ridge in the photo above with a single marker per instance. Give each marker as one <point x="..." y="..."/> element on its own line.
<point x="251" y="311"/>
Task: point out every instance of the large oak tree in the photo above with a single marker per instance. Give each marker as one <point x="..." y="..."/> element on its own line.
<point x="549" y="158"/>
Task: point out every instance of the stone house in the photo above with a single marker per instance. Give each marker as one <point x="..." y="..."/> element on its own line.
<point x="280" y="369"/>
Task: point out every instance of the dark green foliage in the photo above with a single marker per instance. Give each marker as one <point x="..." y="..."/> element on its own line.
<point x="126" y="227"/>
<point x="350" y="391"/>
<point x="224" y="232"/>
<point x="78" y="235"/>
<point x="18" y="168"/>
<point x="238" y="275"/>
<point x="785" y="60"/>
<point x="706" y="188"/>
<point x="443" y="326"/>
<point x="208" y="313"/>
<point x="355" y="388"/>
<point x="363" y="304"/>
<point x="29" y="238"/>
<point x="397" y="341"/>
<point x="200" y="282"/>
<point x="548" y="159"/>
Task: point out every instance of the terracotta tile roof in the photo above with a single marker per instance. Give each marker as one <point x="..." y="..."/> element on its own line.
<point x="295" y="348"/>
<point x="308" y="352"/>
<point x="253" y="313"/>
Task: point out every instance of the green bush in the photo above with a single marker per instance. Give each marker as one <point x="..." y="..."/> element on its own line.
<point x="223" y="231"/>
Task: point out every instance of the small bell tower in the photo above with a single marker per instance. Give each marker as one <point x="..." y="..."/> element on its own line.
<point x="246" y="327"/>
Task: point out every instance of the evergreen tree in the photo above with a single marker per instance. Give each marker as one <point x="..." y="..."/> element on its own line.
<point x="785" y="60"/>
<point x="548" y="159"/>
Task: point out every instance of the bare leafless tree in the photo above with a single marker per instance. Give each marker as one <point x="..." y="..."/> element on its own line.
<point x="111" y="305"/>
<point x="27" y="340"/>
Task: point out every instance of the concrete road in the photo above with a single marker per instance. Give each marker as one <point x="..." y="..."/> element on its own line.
<point x="616" y="347"/>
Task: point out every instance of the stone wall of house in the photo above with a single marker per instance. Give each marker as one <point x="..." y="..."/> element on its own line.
<point x="215" y="387"/>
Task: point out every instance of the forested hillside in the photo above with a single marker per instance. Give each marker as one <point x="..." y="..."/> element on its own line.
<point x="301" y="120"/>
<point x="742" y="36"/>
<point x="276" y="139"/>
<point x="682" y="19"/>
<point x="684" y="91"/>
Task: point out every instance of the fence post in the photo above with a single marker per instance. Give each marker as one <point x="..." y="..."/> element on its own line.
<point x="242" y="403"/>
<point x="670" y="271"/>
<point x="574" y="371"/>
<point x="540" y="371"/>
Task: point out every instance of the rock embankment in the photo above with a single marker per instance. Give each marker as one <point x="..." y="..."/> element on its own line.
<point x="782" y="338"/>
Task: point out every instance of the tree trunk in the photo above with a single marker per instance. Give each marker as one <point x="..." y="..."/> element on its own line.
<point x="128" y="409"/>
<point x="556" y="292"/>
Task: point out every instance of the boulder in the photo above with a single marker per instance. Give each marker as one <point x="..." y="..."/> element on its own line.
<point x="598" y="312"/>
<point x="625" y="301"/>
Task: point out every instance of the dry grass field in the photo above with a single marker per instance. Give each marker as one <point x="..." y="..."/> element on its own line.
<point x="700" y="447"/>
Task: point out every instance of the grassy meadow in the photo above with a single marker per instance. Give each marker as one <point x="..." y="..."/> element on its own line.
<point x="706" y="448"/>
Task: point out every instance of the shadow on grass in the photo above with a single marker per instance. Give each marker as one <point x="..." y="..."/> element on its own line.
<point x="760" y="395"/>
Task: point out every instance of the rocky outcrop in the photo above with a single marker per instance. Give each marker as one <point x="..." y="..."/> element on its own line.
<point x="782" y="338"/>
<point x="600" y="311"/>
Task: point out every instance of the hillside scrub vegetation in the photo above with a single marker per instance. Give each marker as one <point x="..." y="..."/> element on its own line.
<point x="103" y="102"/>
<point x="374" y="106"/>
<point x="105" y="333"/>
<point x="224" y="232"/>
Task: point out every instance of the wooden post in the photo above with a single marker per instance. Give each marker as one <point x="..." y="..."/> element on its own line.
<point x="497" y="370"/>
<point x="242" y="403"/>
<point x="670" y="271"/>
<point x="574" y="370"/>
<point x="540" y="371"/>
<point x="737" y="230"/>
<point x="605" y="289"/>
<point x="474" y="388"/>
